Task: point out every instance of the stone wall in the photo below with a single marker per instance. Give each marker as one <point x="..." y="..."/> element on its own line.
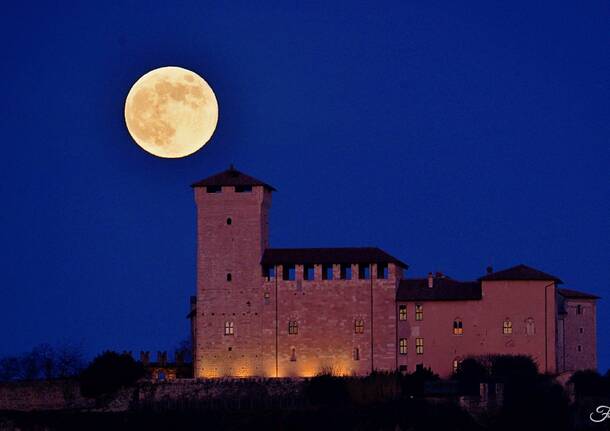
<point x="59" y="395"/>
<point x="42" y="395"/>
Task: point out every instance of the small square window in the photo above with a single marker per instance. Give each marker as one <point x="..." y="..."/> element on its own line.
<point x="359" y="326"/>
<point x="229" y="328"/>
<point x="402" y="346"/>
<point x="346" y="271"/>
<point x="402" y="312"/>
<point x="293" y="327"/>
<point x="327" y="272"/>
<point x="382" y="270"/>
<point x="364" y="271"/>
<point x="288" y="272"/>
<point x="308" y="272"/>
<point x="243" y="189"/>
<point x="269" y="272"/>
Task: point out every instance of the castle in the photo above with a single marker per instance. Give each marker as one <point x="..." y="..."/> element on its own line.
<point x="278" y="312"/>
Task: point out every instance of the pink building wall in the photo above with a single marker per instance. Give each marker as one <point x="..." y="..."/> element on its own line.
<point x="576" y="336"/>
<point x="482" y="322"/>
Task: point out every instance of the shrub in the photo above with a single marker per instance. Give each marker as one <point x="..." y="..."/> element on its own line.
<point x="109" y="372"/>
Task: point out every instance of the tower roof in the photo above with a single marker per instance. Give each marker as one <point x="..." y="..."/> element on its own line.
<point x="281" y="256"/>
<point x="520" y="272"/>
<point x="232" y="177"/>
<point x="575" y="294"/>
<point x="443" y="289"/>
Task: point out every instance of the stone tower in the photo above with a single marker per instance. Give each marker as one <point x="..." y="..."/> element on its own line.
<point x="232" y="234"/>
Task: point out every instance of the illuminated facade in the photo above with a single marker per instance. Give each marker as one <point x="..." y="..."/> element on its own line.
<point x="262" y="311"/>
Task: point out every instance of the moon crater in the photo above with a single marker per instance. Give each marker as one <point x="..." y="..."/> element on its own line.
<point x="171" y="112"/>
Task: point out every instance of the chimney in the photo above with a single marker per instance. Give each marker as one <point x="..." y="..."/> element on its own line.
<point x="490" y="269"/>
<point x="430" y="280"/>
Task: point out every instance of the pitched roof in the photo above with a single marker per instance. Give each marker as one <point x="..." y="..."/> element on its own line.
<point x="520" y="272"/>
<point x="443" y="289"/>
<point x="575" y="294"/>
<point x="231" y="177"/>
<point x="281" y="256"/>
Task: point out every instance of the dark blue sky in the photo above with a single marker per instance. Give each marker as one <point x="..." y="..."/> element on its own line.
<point x="455" y="136"/>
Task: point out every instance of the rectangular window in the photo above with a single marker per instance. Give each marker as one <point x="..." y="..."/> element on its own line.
<point x="308" y="272"/>
<point x="419" y="346"/>
<point x="458" y="327"/>
<point x="382" y="270"/>
<point x="579" y="309"/>
<point x="293" y="327"/>
<point x="356" y="354"/>
<point x="327" y="272"/>
<point x="402" y="312"/>
<point x="288" y="272"/>
<point x="419" y="312"/>
<point x="269" y="272"/>
<point x="229" y="328"/>
<point x="346" y="271"/>
<point x="359" y="326"/>
<point x="364" y="271"/>
<point x="243" y="189"/>
<point x="402" y="346"/>
<point x="213" y="189"/>
<point x="579" y="348"/>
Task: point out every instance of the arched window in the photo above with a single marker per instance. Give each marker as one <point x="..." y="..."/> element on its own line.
<point x="507" y="326"/>
<point x="229" y="220"/>
<point x="356" y="354"/>
<point x="229" y="276"/>
<point x="530" y="327"/>
<point x="293" y="327"/>
<point x="293" y="354"/>
<point x="458" y="327"/>
<point x="229" y="328"/>
<point x="359" y="326"/>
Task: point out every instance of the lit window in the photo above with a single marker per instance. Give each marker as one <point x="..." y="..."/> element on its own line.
<point x="530" y="328"/>
<point x="308" y="272"/>
<point x="267" y="297"/>
<point x="364" y="271"/>
<point x="356" y="354"/>
<point x="456" y="364"/>
<point x="293" y="327"/>
<point x="346" y="271"/>
<point x="293" y="354"/>
<point x="579" y="309"/>
<point x="288" y="272"/>
<point x="327" y="272"/>
<point x="382" y="270"/>
<point x="458" y="327"/>
<point x="402" y="346"/>
<point x="229" y="328"/>
<point x="419" y="346"/>
<point x="402" y="312"/>
<point x="419" y="312"/>
<point x="359" y="326"/>
<point x="507" y="327"/>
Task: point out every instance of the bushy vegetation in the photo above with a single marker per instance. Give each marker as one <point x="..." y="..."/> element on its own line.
<point x="109" y="372"/>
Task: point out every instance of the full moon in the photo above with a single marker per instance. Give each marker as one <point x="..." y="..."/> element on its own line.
<point x="171" y="112"/>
